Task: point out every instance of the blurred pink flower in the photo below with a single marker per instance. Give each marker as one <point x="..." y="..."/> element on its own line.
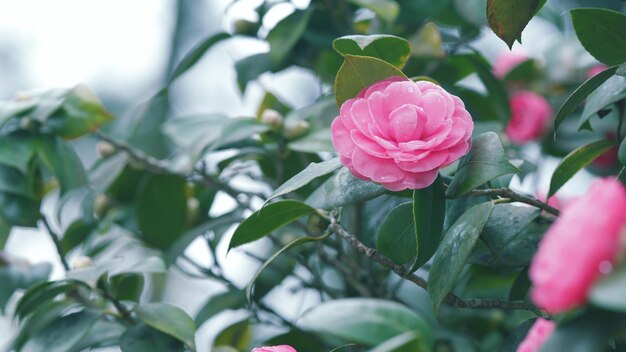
<point x="400" y="133"/>
<point x="530" y="113"/>
<point x="537" y="335"/>
<point x="506" y="61"/>
<point x="581" y="245"/>
<point x="594" y="70"/>
<point x="281" y="348"/>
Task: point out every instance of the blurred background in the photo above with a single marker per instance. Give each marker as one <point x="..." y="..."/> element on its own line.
<point x="125" y="50"/>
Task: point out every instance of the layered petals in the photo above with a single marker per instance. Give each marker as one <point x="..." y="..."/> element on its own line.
<point x="530" y="113"/>
<point x="399" y="133"/>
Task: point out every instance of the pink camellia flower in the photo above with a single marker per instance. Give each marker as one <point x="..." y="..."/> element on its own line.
<point x="537" y="335"/>
<point x="554" y="201"/>
<point x="581" y="245"/>
<point x="506" y="61"/>
<point x="280" y="348"/>
<point x="594" y="70"/>
<point x="399" y="133"/>
<point x="530" y="113"/>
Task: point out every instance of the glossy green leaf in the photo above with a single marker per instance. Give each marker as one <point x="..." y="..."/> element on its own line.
<point x="168" y="319"/>
<point x="387" y="10"/>
<point x="141" y="338"/>
<point x="220" y="302"/>
<point x="81" y="112"/>
<point x="64" y="334"/>
<point x="484" y="162"/>
<point x="580" y="94"/>
<point x="508" y="18"/>
<point x="576" y="161"/>
<point x="518" y="335"/>
<point x="511" y="236"/>
<point x="314" y="142"/>
<point x="196" y="53"/>
<point x="37" y="295"/>
<point x="520" y="286"/>
<point x="11" y="109"/>
<point x="601" y="32"/>
<point x="20" y="276"/>
<point x="389" y="48"/>
<point x="396" y="237"/>
<point x="269" y="218"/>
<point x="12" y="181"/>
<point x="429" y="211"/>
<point x="284" y="36"/>
<point x="365" y="321"/>
<point x="341" y="189"/>
<point x="608" y="291"/>
<point x="19" y="211"/>
<point x="311" y="172"/>
<point x="609" y="92"/>
<point x="455" y="250"/>
<point x="161" y="209"/>
<point x="359" y="72"/>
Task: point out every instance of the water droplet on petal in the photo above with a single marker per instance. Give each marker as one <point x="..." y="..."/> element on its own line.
<point x="605" y="267"/>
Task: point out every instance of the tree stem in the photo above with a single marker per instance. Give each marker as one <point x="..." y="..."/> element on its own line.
<point x="56" y="241"/>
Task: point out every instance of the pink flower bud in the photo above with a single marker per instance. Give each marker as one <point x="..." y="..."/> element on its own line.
<point x="530" y="113"/>
<point x="281" y="348"/>
<point x="399" y="133"/>
<point x="581" y="246"/>
<point x="506" y="61"/>
<point x="537" y="336"/>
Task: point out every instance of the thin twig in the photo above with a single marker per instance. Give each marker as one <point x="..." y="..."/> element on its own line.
<point x="450" y="299"/>
<point x="56" y="241"/>
<point x="516" y="197"/>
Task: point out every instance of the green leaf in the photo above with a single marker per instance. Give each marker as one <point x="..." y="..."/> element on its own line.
<point x="19" y="211"/>
<point x="409" y="341"/>
<point x="10" y="109"/>
<point x="512" y="236"/>
<point x="314" y="142"/>
<point x="102" y="334"/>
<point x="520" y="286"/>
<point x="508" y="18"/>
<point x="195" y="54"/>
<point x="141" y="338"/>
<point x="341" y="189"/>
<point x="580" y="94"/>
<point x="170" y="320"/>
<point x="608" y="291"/>
<point x="64" y="334"/>
<point x="359" y="72"/>
<point x="161" y="209"/>
<point x="220" y="302"/>
<point x="17" y="150"/>
<point x="575" y="161"/>
<point x="12" y="181"/>
<point x="41" y="293"/>
<point x="284" y="36"/>
<point x="517" y="336"/>
<point x="387" y="10"/>
<point x="601" y="32"/>
<point x="20" y="276"/>
<point x="484" y="162"/>
<point x="621" y="70"/>
<point x="621" y="152"/>
<point x="396" y="237"/>
<point x="238" y="335"/>
<point x="609" y="92"/>
<point x="188" y="236"/>
<point x="76" y="234"/>
<point x="455" y="250"/>
<point x="64" y="163"/>
<point x="303" y="178"/>
<point x="429" y="211"/>
<point x="270" y="218"/>
<point x="389" y="48"/>
<point x="523" y="72"/>
<point x="81" y="112"/>
<point x="365" y="321"/>
<point x="250" y="68"/>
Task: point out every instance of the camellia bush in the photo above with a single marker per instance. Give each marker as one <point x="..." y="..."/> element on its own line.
<point x="389" y="196"/>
